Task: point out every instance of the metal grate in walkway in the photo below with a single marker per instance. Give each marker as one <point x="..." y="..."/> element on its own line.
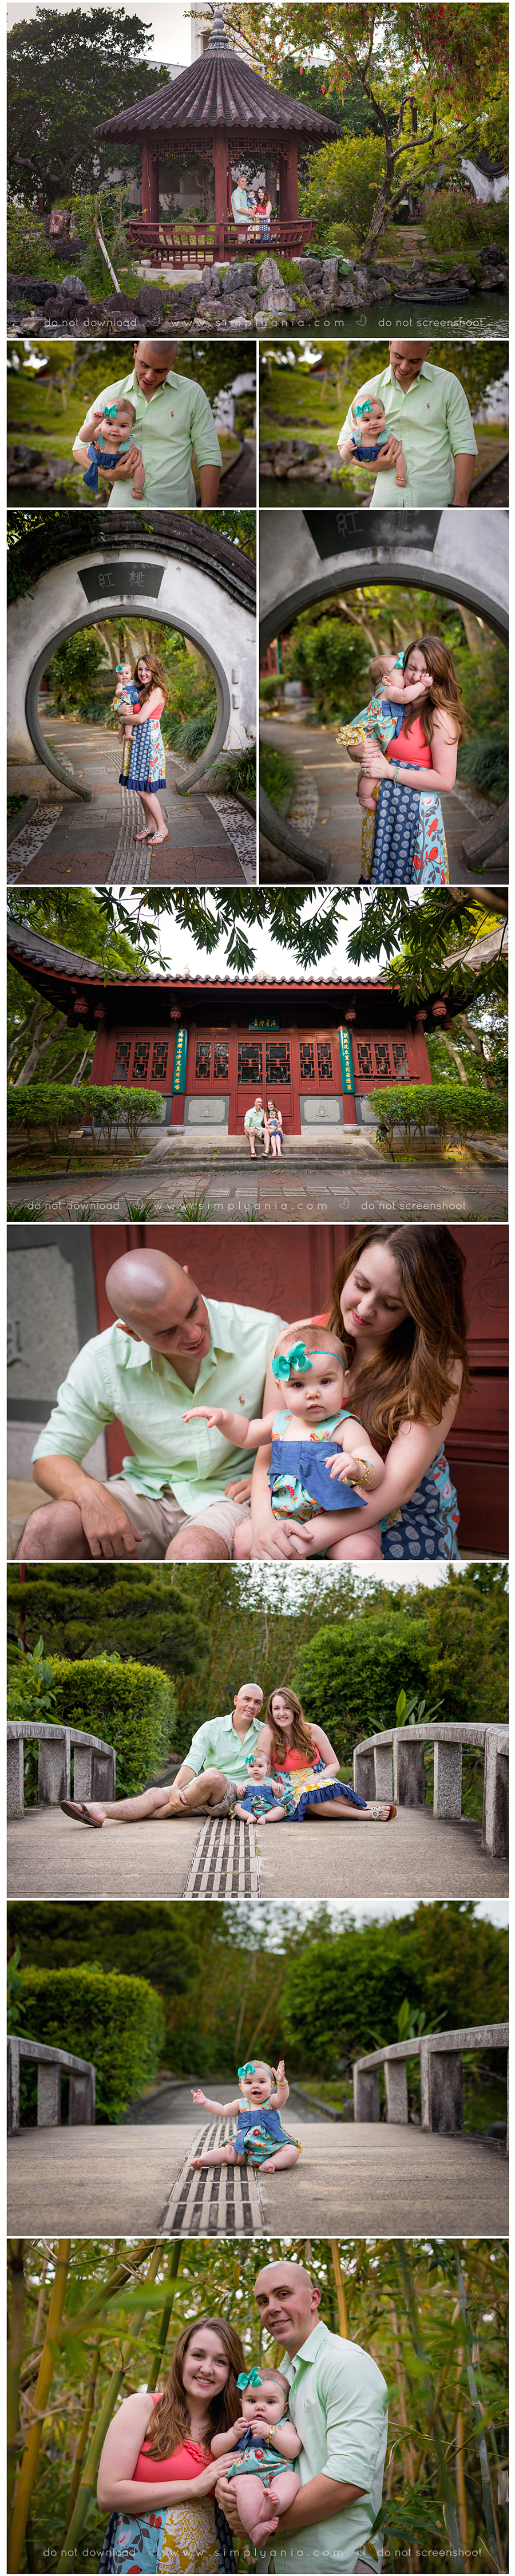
<point x="221" y="2200"/>
<point x="130" y="865"/>
<point x="225" y="1860"/>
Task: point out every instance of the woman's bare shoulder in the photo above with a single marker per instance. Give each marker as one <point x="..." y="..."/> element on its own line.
<point x="444" y="725"/>
<point x="136" y="2409"/>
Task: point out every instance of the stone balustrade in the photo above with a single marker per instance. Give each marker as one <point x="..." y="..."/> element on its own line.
<point x="94" y="1764"/>
<point x="391" y="1765"/>
<point x="51" y="2064"/>
<point x="441" y="2076"/>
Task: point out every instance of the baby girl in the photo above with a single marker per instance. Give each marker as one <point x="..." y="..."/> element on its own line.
<point x="126" y="697"/>
<point x="378" y="721"/>
<point x="367" y="442"/>
<point x="265" y="2440"/>
<point x="303" y="1442"/>
<point x="279" y="1799"/>
<point x="112" y="427"/>
<point x="259" y="2138"/>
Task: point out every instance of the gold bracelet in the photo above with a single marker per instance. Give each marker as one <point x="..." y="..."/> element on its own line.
<point x="367" y="1476"/>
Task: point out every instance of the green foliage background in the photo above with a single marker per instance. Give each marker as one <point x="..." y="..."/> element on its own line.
<point x="116" y="2021"/>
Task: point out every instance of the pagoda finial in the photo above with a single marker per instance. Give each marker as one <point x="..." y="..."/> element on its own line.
<point x="218" y="40"/>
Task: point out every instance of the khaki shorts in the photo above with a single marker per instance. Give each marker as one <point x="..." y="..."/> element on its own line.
<point x="225" y="1806"/>
<point x="158" y="1517"/>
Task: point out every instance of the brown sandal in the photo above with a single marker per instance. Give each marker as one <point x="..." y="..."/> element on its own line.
<point x="377" y="1812"/>
<point x="80" y="1814"/>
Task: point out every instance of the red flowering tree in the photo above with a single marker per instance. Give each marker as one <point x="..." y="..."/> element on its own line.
<point x="436" y="77"/>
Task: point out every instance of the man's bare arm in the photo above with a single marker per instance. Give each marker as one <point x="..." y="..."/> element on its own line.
<point x="209" y="486"/>
<point x="106" y="1526"/>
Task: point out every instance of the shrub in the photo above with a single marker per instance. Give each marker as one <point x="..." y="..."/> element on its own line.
<point x="270" y="688"/>
<point x="457" y="1111"/>
<point x="116" y="2021"/>
<point x="133" y="1706"/>
<point x="484" y="762"/>
<point x="191" y="736"/>
<point x="277" y="775"/>
<point x="349" y="1677"/>
<point x="28" y="253"/>
<point x="55" y="1105"/>
<point x="345" y="184"/>
<point x="459" y="224"/>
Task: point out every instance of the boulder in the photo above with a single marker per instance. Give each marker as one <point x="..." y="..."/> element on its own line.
<point x="241" y="273"/>
<point x="278" y="299"/>
<point x="330" y="277"/>
<point x="269" y="275"/>
<point x="148" y="303"/>
<point x="209" y="282"/>
<point x="75" y="287"/>
<point x="38" y="289"/>
<point x="494" y="255"/>
<point x="310" y="271"/>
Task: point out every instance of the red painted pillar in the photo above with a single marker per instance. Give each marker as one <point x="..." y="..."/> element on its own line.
<point x="154" y="191"/>
<point x="220" y="159"/>
<point x="288" y="185"/>
<point x="145" y="181"/>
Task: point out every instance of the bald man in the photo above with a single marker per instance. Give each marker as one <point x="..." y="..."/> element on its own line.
<point x="172" y="1498"/>
<point x="173" y="416"/>
<point x="429" y="418"/>
<point x="338" y="2403"/>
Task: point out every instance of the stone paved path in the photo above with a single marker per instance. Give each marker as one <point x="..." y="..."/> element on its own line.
<point x="337" y="828"/>
<point x="94" y="844"/>
<point x="241" y="1196"/>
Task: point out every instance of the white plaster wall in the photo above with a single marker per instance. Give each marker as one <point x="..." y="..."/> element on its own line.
<point x="187" y="595"/>
<point x="472" y="548"/>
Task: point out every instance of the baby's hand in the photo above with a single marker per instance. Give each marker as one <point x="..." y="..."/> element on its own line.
<point x="343" y="1468"/>
<point x="197" y="2097"/>
<point x="214" y="1415"/>
<point x="95" y="418"/>
<point x="279" y="2072"/>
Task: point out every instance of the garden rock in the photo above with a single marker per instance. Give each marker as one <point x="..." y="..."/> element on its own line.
<point x="493" y="255"/>
<point x="210" y="282"/>
<point x="238" y="276"/>
<point x="149" y="304"/>
<point x="330" y="277"/>
<point x="269" y="275"/>
<point x="310" y="271"/>
<point x="38" y="288"/>
<point x="74" y="286"/>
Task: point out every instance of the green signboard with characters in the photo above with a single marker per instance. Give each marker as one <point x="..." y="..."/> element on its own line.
<point x="346" y="1064"/>
<point x="179" y="1061"/>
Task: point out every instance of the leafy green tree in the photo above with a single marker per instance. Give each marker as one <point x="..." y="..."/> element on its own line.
<point x="85" y="1610"/>
<point x="37" y="1033"/>
<point x="349" y="1677"/>
<point x="68" y="71"/>
<point x="344" y="1997"/>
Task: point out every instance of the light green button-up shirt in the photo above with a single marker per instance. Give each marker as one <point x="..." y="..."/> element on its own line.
<point x="338" y="2401"/>
<point x="216" y="1747"/>
<point x="177" y="418"/>
<point x="433" y="420"/>
<point x="114" y="1375"/>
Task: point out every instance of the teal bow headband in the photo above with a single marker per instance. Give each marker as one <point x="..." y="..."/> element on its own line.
<point x="110" y="411"/>
<point x="294" y="1359"/>
<point x="246" y="2070"/>
<point x="249" y="2379"/>
<point x="119" y="667"/>
<point x="361" y="410"/>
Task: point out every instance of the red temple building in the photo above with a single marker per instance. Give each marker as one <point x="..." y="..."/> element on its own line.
<point x="209" y="1045"/>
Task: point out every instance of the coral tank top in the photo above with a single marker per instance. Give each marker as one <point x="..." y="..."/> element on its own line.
<point x="411" y="748"/>
<point x="296" y="1761"/>
<point x="185" y="2463"/>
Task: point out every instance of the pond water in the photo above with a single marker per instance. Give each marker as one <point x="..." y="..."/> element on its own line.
<point x="481" y="317"/>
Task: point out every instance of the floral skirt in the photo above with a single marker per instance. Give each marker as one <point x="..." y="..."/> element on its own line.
<point x="259" y="2146"/>
<point x="428" y="1525"/>
<point x="428" y="862"/>
<point x="304" y="1790"/>
<point x="189" y="2540"/>
<point x="147" y="765"/>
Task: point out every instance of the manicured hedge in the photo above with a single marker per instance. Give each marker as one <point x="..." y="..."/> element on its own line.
<point x="57" y="1105"/>
<point x="133" y="1706"/>
<point x="458" y="1112"/>
<point x="117" y="2022"/>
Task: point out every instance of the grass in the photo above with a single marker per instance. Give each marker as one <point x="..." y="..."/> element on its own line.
<point x="15" y="806"/>
<point x="194" y="1211"/>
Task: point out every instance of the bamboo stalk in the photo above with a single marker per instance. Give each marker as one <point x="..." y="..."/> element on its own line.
<point x="83" y="2435"/>
<point x="89" y="2474"/>
<point x="102" y="247"/>
<point x="29" y="2462"/>
<point x="173" y="2268"/>
<point x="13" y="2365"/>
<point x="343" y="2322"/>
<point x="119" y="2279"/>
<point x="459" y="2452"/>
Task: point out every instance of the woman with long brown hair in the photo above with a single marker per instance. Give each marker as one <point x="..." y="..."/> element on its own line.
<point x="147" y="764"/>
<point x="303" y="1751"/>
<point x="398" y="1305"/>
<point x="403" y="839"/>
<point x="157" y="2475"/>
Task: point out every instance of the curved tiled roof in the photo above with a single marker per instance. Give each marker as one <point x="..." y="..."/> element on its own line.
<point x="219" y="91"/>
